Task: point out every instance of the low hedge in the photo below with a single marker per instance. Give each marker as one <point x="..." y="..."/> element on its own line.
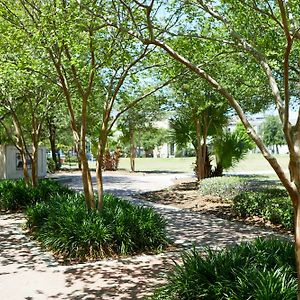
<point x="273" y="205"/>
<point x="260" y="270"/>
<point x="225" y="187"/>
<point x="67" y="228"/>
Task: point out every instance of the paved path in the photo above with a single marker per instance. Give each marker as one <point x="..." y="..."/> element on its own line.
<point x="26" y="272"/>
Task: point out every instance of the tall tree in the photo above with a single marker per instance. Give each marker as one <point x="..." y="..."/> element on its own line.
<point x="92" y="63"/>
<point x="238" y="25"/>
<point x="272" y="134"/>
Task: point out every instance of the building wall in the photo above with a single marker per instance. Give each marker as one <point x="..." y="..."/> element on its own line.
<point x="10" y="162"/>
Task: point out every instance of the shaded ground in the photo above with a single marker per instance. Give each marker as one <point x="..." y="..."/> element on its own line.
<point x="29" y="272"/>
<point x="184" y="194"/>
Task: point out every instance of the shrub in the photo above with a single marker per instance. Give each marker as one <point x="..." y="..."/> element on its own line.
<point x="15" y="195"/>
<point x="51" y="167"/>
<point x="224" y="187"/>
<point x="261" y="269"/>
<point x="271" y="204"/>
<point x="65" y="226"/>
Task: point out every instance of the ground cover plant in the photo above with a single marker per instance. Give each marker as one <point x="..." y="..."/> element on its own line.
<point x="15" y="195"/>
<point x="66" y="227"/>
<point x="252" y="197"/>
<point x="225" y="187"/>
<point x="272" y="204"/>
<point x="262" y="269"/>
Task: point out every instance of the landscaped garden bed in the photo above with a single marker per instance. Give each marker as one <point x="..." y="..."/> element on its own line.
<point x="58" y="218"/>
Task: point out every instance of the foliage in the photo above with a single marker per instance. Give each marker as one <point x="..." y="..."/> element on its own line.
<point x="261" y="269"/>
<point x="272" y="204"/>
<point x="231" y="147"/>
<point x="51" y="167"/>
<point x="65" y="226"/>
<point x="226" y="187"/>
<point x="15" y="195"/>
<point x="271" y="131"/>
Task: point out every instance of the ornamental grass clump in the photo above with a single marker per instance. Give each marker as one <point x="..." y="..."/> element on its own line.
<point x="15" y="195"/>
<point x="262" y="269"/>
<point x="64" y="226"/>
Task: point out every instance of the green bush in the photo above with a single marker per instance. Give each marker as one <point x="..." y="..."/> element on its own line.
<point x="65" y="226"/>
<point x="15" y="195"/>
<point x="271" y="204"/>
<point x="226" y="187"/>
<point x="262" y="269"/>
<point x="51" y="167"/>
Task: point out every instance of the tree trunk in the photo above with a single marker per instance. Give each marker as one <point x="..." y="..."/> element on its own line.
<point x="132" y="150"/>
<point x="199" y="153"/>
<point x="34" y="165"/>
<point x="25" y="167"/>
<point x="52" y="140"/>
<point x="87" y="181"/>
<point x="99" y="167"/>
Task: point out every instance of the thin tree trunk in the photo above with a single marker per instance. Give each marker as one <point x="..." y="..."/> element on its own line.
<point x="25" y="167"/>
<point x="34" y="165"/>
<point x="87" y="181"/>
<point x="132" y="149"/>
<point x="199" y="153"/>
<point x="99" y="167"/>
<point x="52" y="140"/>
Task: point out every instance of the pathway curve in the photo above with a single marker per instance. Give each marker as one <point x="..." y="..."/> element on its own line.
<point x="26" y="272"/>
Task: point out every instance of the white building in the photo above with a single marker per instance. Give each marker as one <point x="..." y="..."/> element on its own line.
<point x="11" y="162"/>
<point x="167" y="149"/>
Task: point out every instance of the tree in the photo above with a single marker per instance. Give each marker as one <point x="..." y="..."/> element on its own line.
<point x="272" y="133"/>
<point x="238" y="25"/>
<point x="230" y="147"/>
<point x="198" y="114"/>
<point x="25" y="102"/>
<point x="138" y="122"/>
<point x="92" y="63"/>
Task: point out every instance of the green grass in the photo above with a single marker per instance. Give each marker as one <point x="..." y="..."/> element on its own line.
<point x="254" y="162"/>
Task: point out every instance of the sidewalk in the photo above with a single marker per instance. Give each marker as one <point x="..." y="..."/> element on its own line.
<point x="27" y="272"/>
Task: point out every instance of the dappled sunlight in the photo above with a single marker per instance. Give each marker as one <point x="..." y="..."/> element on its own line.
<point x="188" y="229"/>
<point x="28" y="272"/>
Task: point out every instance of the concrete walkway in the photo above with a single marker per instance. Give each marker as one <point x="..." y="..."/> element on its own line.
<point x="27" y="272"/>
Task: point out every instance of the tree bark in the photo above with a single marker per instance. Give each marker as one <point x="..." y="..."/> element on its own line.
<point x="34" y="164"/>
<point x="200" y="162"/>
<point x="132" y="149"/>
<point x="99" y="176"/>
<point x="52" y="140"/>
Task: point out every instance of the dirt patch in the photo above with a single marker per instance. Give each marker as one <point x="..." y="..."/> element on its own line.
<point x="184" y="194"/>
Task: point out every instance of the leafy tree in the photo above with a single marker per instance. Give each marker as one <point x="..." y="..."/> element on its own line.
<point x="272" y="133"/>
<point x="93" y="64"/>
<point x="237" y="26"/>
<point x="137" y="126"/>
<point x="25" y="101"/>
<point x="198" y="114"/>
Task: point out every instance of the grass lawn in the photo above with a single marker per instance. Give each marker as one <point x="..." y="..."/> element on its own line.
<point x="254" y="162"/>
<point x="177" y="164"/>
